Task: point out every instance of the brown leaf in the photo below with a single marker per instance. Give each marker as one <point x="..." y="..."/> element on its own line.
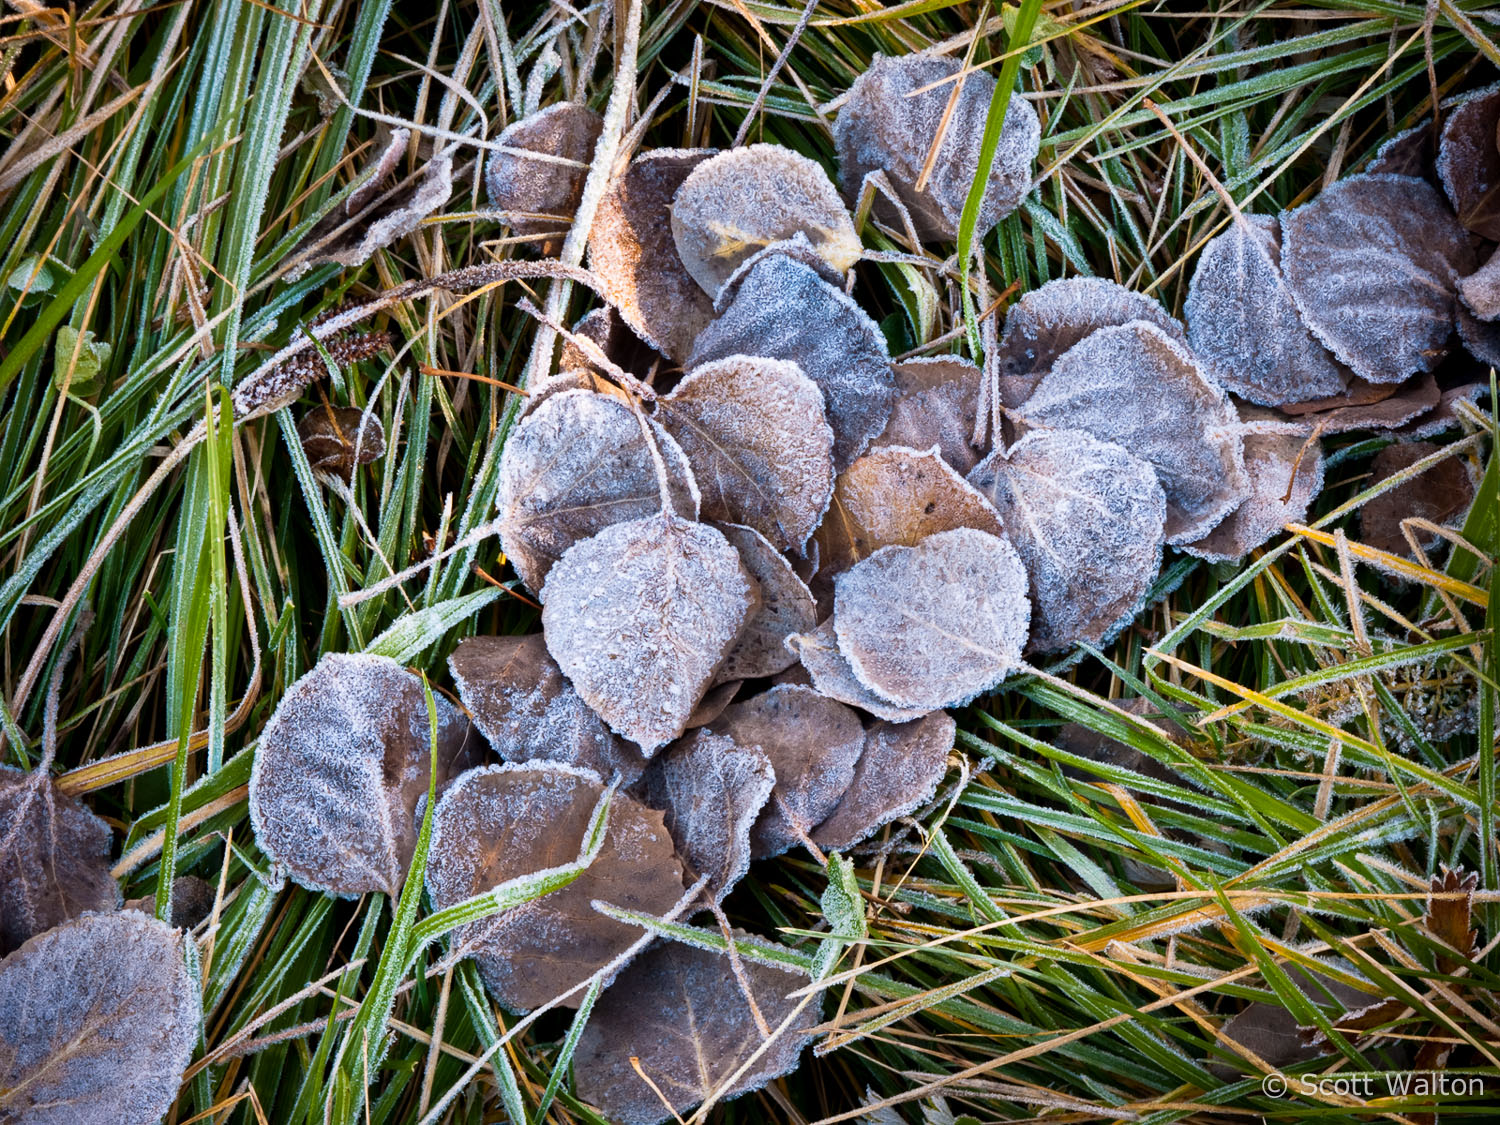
<point x="192" y="901"/>
<point x="339" y="770"/>
<point x="1441" y="494"/>
<point x="1444" y="416"/>
<point x="938" y="399"/>
<point x="1481" y="289"/>
<point x="632" y="250"/>
<point x="1480" y="337"/>
<point x="521" y="702"/>
<point x="897" y="772"/>
<point x="98" y="1021"/>
<point x="538" y="175"/>
<point x="1469" y="161"/>
<point x="755" y="434"/>
<point x="1085" y="742"/>
<point x="831" y="675"/>
<point x="813" y="744"/>
<point x="743" y="200"/>
<point x="1411" y="152"/>
<point x="338" y="438"/>
<point x="54" y="857"/>
<point x="501" y="823"/>
<point x="639" y="618"/>
<point x="1368" y="406"/>
<point x="678" y="1013"/>
<point x="885" y="124"/>
<point x="621" y="346"/>
<point x="1087" y="519"/>
<point x="1271" y="1031"/>
<point x="936" y="624"/>
<point x="786" y="607"/>
<point x="1448" y="919"/>
<point x="575" y="465"/>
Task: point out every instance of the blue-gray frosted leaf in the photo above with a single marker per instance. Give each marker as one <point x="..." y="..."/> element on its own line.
<point x="98" y="1021"/>
<point x="340" y="768"/>
<point x="938" y="399"/>
<point x="711" y="789"/>
<point x="632" y="251"/>
<point x="1481" y="289"/>
<point x="782" y="309"/>
<point x="934" y="625"/>
<point x="898" y="772"/>
<point x="602" y="327"/>
<point x="754" y="431"/>
<point x="500" y="823"/>
<point x="1244" y="327"/>
<point x="1373" y="263"/>
<point x="572" y="467"/>
<point x="786" y="608"/>
<point x="742" y="200"/>
<point x="54" y="857"/>
<point x="885" y="124"/>
<point x="1137" y="387"/>
<point x="813" y="743"/>
<point x="538" y="175"/>
<point x="1410" y="152"/>
<point x="522" y="703"/>
<point x="679" y="1014"/>
<point x="818" y="652"/>
<point x="1469" y="161"/>
<point x="1087" y="519"/>
<point x="639" y="618"/>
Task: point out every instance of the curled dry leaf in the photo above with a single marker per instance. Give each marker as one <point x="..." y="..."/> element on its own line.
<point x="813" y="744"/>
<point x="1440" y="495"/>
<point x="1244" y="327"/>
<point x="1087" y="519"/>
<point x="538" y="173"/>
<point x="340" y="768"/>
<point x="98" y="1020"/>
<point x="1469" y="161"/>
<point x="710" y="789"/>
<point x="885" y="124"/>
<point x="1481" y="289"/>
<point x="639" y="618"/>
<point x="1286" y="475"/>
<point x="632" y="250"/>
<point x="622" y="347"/>
<point x="575" y="465"/>
<point x="336" y="439"/>
<point x="818" y="652"/>
<point x="505" y="822"/>
<point x="784" y="310"/>
<point x="786" y="608"/>
<point x="937" y="401"/>
<point x="898" y="772"/>
<point x="1372" y="263"/>
<point x="895" y="496"/>
<point x="522" y="703"/>
<point x="761" y="450"/>
<point x="1367" y="406"/>
<point x="678" y="1013"/>
<point x="934" y="625"/>
<point x="54" y="857"/>
<point x="1046" y="322"/>
<point x="1445" y="415"/>
<point x="743" y="200"/>
<point x="1137" y="387"/>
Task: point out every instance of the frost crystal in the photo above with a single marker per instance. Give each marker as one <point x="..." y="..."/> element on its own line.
<point x="538" y="174"/>
<point x="937" y="404"/>
<point x="897" y="773"/>
<point x="786" y="607"/>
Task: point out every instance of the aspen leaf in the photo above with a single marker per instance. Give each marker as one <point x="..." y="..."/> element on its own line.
<point x="898" y="771"/>
<point x="336" y="439"/>
<point x="1441" y="494"/>
<point x="538" y="173"/>
<point x="620" y="345"/>
<point x="1469" y="161"/>
<point x="639" y="618"/>
<point x="1410" y="152"/>
<point x="786" y="608"/>
<point x="339" y="770"/>
<point x="1271" y="1031"/>
<point x="1368" y="406"/>
<point x="936" y="405"/>
<point x="819" y="655"/>
<point x="1481" y="289"/>
<point x="504" y="822"/>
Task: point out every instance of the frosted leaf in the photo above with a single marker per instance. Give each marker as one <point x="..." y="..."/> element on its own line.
<point x="505" y="822"/>
<point x="786" y="607"/>
<point x="1087" y="519"/>
<point x="885" y="125"/>
<point x="54" y="857"/>
<point x="796" y="248"/>
<point x="1276" y="498"/>
<point x="521" y="702"/>
<point x="936" y="624"/>
<point x="712" y="705"/>
<point x="831" y="675"/>
<point x="1480" y="337"/>
<point x="620" y="345"/>
<point x="898" y="772"/>
<point x="1481" y="289"/>
<point x="784" y="310"/>
<point x="1444" y="416"/>
<point x="761" y="450"/>
<point x="339" y="770"/>
<point x="1469" y="161"/>
<point x="1368" y="406"/>
<point x="1244" y="327"/>
<point x="338" y="438"/>
<point x="539" y="174"/>
<point x="1046" y="322"/>
<point x="192" y="901"/>
<point x="1441" y="494"/>
<point x="1409" y="153"/>
<point x="896" y="496"/>
<point x="1137" y="387"/>
<point x="813" y="743"/>
<point x="1372" y="263"/>
<point x="741" y="201"/>
<point x="711" y="789"/>
<point x="937" y="402"/>
<point x="575" y="465"/>
<point x="679" y="1014"/>
<point x="639" y="618"/>
<point x="98" y="1021"/>
<point x="632" y="250"/>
